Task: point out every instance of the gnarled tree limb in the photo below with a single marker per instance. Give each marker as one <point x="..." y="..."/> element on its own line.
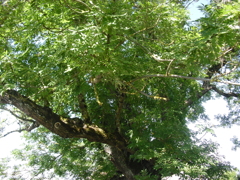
<point x="227" y="95"/>
<point x="64" y="127"/>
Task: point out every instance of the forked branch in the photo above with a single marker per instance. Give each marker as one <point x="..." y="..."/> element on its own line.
<point x="64" y="127"/>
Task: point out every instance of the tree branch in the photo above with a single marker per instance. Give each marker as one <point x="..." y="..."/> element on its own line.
<point x="18" y="117"/>
<point x="10" y="132"/>
<point x="83" y="108"/>
<point x="185" y="77"/>
<point x="64" y="127"/>
<point x="43" y="115"/>
<point x="74" y="9"/>
<point x="206" y="81"/>
<point x="154" y="56"/>
<point x="30" y="128"/>
<point x="83" y="3"/>
<point x="227" y="95"/>
<point x="145" y="94"/>
<point x="191" y="100"/>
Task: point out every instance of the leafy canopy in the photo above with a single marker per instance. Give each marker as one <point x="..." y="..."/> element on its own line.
<point x="105" y="89"/>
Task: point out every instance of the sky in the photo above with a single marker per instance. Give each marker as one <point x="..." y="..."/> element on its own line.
<point x="11" y="141"/>
<point x="195" y="13"/>
<point x="222" y="135"/>
<point x="213" y="107"/>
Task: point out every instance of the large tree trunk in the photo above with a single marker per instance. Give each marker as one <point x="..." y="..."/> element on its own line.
<point x="127" y="166"/>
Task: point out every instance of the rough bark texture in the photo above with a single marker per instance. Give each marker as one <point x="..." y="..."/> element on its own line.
<point x="71" y="128"/>
<point x="64" y="127"/>
<point x="76" y="128"/>
<point x="120" y="161"/>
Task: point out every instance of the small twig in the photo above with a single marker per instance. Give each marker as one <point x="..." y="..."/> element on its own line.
<point x="187" y="5"/>
<point x="18" y="130"/>
<point x="159" y="59"/>
<point x="18" y="117"/>
<point x="168" y="68"/>
<point x="83" y="4"/>
<point x="70" y="7"/>
<point x="154" y="56"/>
<point x="147" y="28"/>
<point x="145" y="94"/>
<point x="224" y="74"/>
<point x="54" y="30"/>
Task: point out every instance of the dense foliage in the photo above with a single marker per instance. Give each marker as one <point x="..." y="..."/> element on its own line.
<point x="105" y="88"/>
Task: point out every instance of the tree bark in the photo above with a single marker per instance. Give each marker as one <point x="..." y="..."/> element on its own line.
<point x="120" y="161"/>
<point x="68" y="128"/>
<point x="64" y="127"/>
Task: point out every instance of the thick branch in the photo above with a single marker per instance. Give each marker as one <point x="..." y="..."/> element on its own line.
<point x="227" y="95"/>
<point x="199" y="95"/>
<point x="43" y="115"/>
<point x="186" y="77"/>
<point x="64" y="127"/>
<point x="83" y="108"/>
<point x="206" y="82"/>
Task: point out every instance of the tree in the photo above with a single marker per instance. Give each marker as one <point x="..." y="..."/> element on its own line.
<point x="232" y="175"/>
<point x="105" y="89"/>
